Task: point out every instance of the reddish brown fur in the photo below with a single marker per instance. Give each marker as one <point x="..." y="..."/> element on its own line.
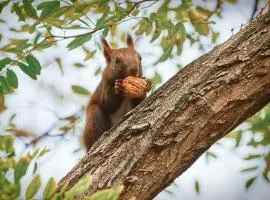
<point x="108" y="103"/>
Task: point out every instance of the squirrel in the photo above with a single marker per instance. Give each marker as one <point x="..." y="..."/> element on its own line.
<point x="109" y="103"/>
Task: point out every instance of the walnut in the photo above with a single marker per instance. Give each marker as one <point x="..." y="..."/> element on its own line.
<point x="135" y="87"/>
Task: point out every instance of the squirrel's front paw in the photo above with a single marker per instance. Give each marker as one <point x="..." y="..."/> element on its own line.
<point x="118" y="86"/>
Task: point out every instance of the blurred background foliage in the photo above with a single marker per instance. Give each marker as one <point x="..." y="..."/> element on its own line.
<point x="40" y="26"/>
<point x="13" y="169"/>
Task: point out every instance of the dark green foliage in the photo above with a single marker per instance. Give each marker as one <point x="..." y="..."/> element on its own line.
<point x="48" y="8"/>
<point x="29" y="9"/>
<point x="33" y="63"/>
<point x="12" y="78"/>
<point x="29" y="70"/>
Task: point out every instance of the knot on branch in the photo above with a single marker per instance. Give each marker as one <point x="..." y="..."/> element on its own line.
<point x="139" y="127"/>
<point x="131" y="179"/>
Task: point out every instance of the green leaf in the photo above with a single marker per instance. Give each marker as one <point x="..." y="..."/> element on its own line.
<point x="120" y="12"/>
<point x="145" y="26"/>
<point x="80" y="90"/>
<point x="250" y="182"/>
<point x="45" y="44"/>
<point x="78" y="188"/>
<point x="48" y="8"/>
<point x="43" y="152"/>
<point x="18" y="11"/>
<point x="203" y="11"/>
<point x="33" y="154"/>
<point x="105" y="32"/>
<point x="2" y="103"/>
<point x="187" y="2"/>
<point x="5" y="84"/>
<point x="79" y="41"/>
<point x="6" y="144"/>
<point x="20" y="169"/>
<point x="103" y="2"/>
<point x="12" y="78"/>
<point x="201" y="28"/>
<point x="37" y="38"/>
<point x="107" y="194"/>
<point x="180" y="29"/>
<point x="253" y="156"/>
<point x="98" y="71"/>
<point x="28" y="70"/>
<point x="265" y="176"/>
<point x="169" y="192"/>
<point x="35" y="168"/>
<point x="79" y="65"/>
<point x="3" y="4"/>
<point x="50" y="188"/>
<point x="238" y="138"/>
<point x="156" y="34"/>
<point x="135" y="12"/>
<point x="104" y="20"/>
<point x="33" y="188"/>
<point x="249" y="169"/>
<point x="199" y="22"/>
<point x="157" y="79"/>
<point x="4" y="62"/>
<point x="214" y="37"/>
<point x="90" y="54"/>
<point x="166" y="54"/>
<point x="197" y="186"/>
<point x="210" y="154"/>
<point x="29" y="9"/>
<point x="59" y="12"/>
<point x="34" y="63"/>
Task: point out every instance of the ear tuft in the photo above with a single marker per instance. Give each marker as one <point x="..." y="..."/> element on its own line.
<point x="130" y="43"/>
<point x="107" y="50"/>
<point x="104" y="42"/>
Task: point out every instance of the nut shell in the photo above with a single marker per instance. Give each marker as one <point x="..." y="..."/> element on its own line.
<point x="135" y="87"/>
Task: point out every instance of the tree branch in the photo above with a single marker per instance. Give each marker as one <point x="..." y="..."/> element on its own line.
<point x="162" y="137"/>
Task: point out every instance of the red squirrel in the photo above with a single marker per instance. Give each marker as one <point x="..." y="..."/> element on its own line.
<point x="109" y="103"/>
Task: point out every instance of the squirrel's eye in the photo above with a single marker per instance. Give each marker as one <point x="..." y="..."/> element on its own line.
<point x="140" y="57"/>
<point x="117" y="60"/>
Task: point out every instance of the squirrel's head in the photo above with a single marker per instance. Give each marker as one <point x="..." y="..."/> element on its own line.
<point x="122" y="62"/>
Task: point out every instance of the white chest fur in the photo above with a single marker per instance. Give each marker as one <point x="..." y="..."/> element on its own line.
<point x="125" y="107"/>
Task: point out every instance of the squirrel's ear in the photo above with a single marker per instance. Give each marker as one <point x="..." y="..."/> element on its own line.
<point x="130" y="41"/>
<point x="107" y="50"/>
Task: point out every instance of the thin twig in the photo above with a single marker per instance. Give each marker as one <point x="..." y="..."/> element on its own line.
<point x="136" y="2"/>
<point x="218" y="7"/>
<point x="47" y="133"/>
<point x="151" y="4"/>
<point x="255" y="9"/>
<point x="70" y="4"/>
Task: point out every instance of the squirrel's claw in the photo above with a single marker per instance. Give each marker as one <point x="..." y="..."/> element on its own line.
<point x="118" y="86"/>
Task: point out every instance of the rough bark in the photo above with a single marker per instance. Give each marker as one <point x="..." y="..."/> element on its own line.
<point x="157" y="141"/>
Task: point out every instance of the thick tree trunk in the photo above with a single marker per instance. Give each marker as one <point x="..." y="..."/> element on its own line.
<point x="165" y="134"/>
